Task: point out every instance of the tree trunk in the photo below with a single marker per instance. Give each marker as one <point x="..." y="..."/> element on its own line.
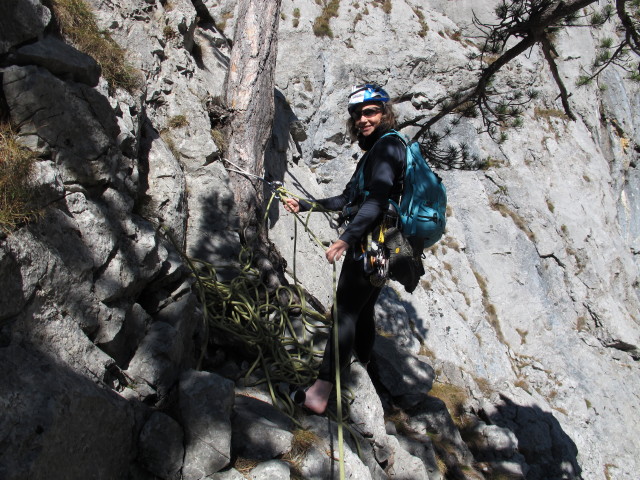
<point x="249" y="90"/>
<point x="250" y="98"/>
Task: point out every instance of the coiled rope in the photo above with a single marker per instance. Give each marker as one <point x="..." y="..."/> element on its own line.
<point x="258" y="321"/>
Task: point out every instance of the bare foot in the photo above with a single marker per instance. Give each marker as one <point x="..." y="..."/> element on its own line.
<point x="318" y="396"/>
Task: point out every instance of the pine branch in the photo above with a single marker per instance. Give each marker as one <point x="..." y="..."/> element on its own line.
<point x="547" y="49"/>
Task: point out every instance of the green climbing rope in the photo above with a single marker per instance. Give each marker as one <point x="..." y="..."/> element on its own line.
<point x="258" y="321"/>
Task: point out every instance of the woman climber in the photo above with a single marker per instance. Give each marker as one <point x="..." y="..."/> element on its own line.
<point x="371" y="116"/>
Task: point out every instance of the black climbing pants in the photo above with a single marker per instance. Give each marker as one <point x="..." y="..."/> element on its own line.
<point x="356" y="299"/>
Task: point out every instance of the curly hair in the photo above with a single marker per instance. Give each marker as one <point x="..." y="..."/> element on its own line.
<point x="387" y="122"/>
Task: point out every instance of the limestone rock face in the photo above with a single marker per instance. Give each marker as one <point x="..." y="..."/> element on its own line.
<point x="526" y="325"/>
<point x="21" y="22"/>
<point x="71" y="425"/>
<point x="206" y="400"/>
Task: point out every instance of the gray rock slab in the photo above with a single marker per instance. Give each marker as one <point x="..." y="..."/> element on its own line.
<point x="404" y="376"/>
<point x="206" y="401"/>
<point x="365" y="411"/>
<point x="403" y="465"/>
<point x="321" y="461"/>
<point x="431" y="417"/>
<point x="56" y="110"/>
<point x="161" y="446"/>
<point x="273" y="470"/>
<point x="420" y="446"/>
<point x="158" y="357"/>
<point x="57" y="423"/>
<point x="21" y="20"/>
<point x="60" y="59"/>
<point x="231" y="474"/>
<point x="260" y="431"/>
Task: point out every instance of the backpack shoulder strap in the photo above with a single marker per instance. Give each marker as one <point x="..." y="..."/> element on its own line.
<point x="397" y="134"/>
<point x="360" y="173"/>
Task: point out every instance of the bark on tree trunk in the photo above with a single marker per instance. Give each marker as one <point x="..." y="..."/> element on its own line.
<point x="250" y="97"/>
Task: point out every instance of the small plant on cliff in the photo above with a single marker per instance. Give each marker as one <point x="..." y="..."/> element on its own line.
<point x="302" y="442"/>
<point x="222" y="23"/>
<point x="385" y="5"/>
<point x="296" y="18"/>
<point x="16" y="163"/>
<point x="490" y="309"/>
<point x="219" y="139"/>
<point x="178" y="121"/>
<point x="321" y="26"/>
<point x="454" y="398"/>
<point x="78" y="24"/>
<point x="424" y="28"/>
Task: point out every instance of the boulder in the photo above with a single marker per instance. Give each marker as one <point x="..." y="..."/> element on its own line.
<point x="73" y="428"/>
<point x="20" y="21"/>
<point x="261" y="432"/>
<point x="60" y="59"/>
<point x="161" y="446"/>
<point x="206" y="402"/>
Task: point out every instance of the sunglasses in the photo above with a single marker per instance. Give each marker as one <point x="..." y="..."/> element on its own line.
<point x="367" y="112"/>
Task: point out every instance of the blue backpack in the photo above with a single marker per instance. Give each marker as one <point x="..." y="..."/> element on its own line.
<point x="423" y="204"/>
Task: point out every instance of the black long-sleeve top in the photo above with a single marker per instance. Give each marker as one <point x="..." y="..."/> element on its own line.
<point x="384" y="164"/>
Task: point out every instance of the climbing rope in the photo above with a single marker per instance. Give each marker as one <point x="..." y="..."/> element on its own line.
<point x="258" y="321"/>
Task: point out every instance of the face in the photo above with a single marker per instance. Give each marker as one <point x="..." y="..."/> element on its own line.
<point x="367" y="117"/>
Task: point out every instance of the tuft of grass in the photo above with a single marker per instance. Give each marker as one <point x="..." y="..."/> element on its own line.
<point x="356" y="19"/>
<point x="454" y="398"/>
<point x="296" y="17"/>
<point x="386" y="6"/>
<point x="400" y="420"/>
<point x="178" y="121"/>
<point x="308" y="86"/>
<point x="78" y="24"/>
<point x="169" y="33"/>
<point x="426" y="351"/>
<point x="452" y="243"/>
<point x="442" y="466"/>
<point x="303" y="441"/>
<point x="424" y="28"/>
<point x="581" y="324"/>
<point x="321" y="27"/>
<point x="171" y="145"/>
<point x="523" y="384"/>
<point x="523" y="335"/>
<point x="219" y="139"/>
<point x="16" y="194"/>
<point x="549" y="113"/>
<point x="489" y="307"/>
<point x="550" y="206"/>
<point x="518" y="221"/>
<point x="484" y="385"/>
<point x="607" y="470"/>
<point x="245" y="465"/>
<point x="222" y="23"/>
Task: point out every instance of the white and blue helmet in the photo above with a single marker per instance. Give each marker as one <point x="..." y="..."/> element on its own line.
<point x="367" y="93"/>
